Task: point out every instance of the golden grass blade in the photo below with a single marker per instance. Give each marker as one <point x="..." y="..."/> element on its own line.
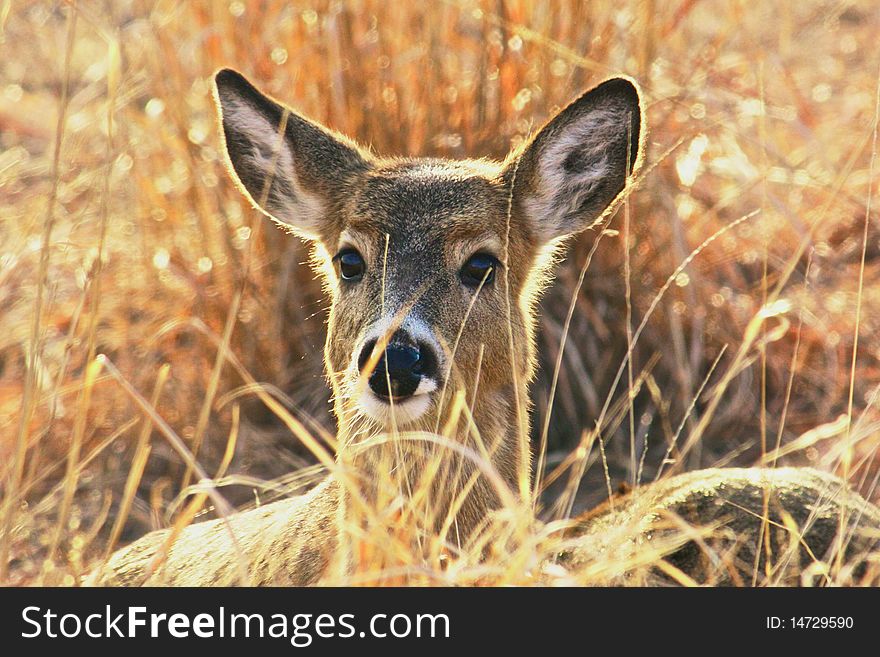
<point x="30" y="384"/>
<point x="139" y="462"/>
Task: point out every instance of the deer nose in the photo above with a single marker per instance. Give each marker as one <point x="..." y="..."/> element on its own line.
<point x="399" y="370"/>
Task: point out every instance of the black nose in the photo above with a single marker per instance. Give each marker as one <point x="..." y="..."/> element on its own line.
<point x="400" y="369"/>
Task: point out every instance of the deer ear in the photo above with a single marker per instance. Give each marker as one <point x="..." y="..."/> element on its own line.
<point x="575" y="167"/>
<point x="289" y="167"/>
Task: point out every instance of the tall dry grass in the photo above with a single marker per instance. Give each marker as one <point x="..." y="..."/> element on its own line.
<point x="743" y="275"/>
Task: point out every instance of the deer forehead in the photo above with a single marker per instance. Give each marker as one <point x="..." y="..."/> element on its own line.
<point x="431" y="209"/>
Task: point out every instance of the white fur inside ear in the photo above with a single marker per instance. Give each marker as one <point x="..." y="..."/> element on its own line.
<point x="560" y="190"/>
<point x="286" y="200"/>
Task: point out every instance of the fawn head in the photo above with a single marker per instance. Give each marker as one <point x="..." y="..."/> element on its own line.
<point x="433" y="266"/>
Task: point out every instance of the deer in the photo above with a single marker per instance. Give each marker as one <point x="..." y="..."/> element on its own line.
<point x="433" y="268"/>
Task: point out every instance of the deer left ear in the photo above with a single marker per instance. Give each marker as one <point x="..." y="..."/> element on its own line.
<point x="288" y="166"/>
<point x="576" y="166"/>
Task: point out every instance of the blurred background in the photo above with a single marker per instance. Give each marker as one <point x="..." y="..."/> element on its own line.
<point x="752" y="250"/>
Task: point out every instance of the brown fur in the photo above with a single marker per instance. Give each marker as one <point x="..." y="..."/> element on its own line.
<point x="415" y="222"/>
<point x="741" y="540"/>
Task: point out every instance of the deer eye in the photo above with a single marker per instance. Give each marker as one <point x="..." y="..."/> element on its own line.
<point x="480" y="268"/>
<point x="351" y="264"/>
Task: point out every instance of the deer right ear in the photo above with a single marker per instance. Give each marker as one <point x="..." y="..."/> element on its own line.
<point x="288" y="166"/>
<point x="576" y="166"/>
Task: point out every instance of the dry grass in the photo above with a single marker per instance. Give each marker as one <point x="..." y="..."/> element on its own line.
<point x="121" y="235"/>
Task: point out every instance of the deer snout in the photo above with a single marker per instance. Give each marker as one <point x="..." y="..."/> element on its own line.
<point x="403" y="367"/>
